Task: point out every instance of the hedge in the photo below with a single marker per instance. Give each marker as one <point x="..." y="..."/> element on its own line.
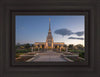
<point x="82" y="54"/>
<point x="23" y="51"/>
<point x="76" y="51"/>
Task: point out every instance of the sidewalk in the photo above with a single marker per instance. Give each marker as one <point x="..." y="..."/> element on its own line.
<point x="49" y="56"/>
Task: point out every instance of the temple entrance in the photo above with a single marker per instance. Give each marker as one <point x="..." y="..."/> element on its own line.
<point x="49" y="48"/>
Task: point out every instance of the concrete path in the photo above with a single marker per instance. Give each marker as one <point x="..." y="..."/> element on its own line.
<point x="49" y="56"/>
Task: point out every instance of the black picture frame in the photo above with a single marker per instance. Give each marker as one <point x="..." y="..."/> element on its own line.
<point x="7" y="41"/>
<point x="13" y="13"/>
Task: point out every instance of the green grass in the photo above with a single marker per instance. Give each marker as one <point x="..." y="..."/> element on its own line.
<point x="23" y="59"/>
<point x="76" y="59"/>
<point x="76" y="51"/>
<point x="18" y="54"/>
<point x="63" y="50"/>
<point x="36" y="49"/>
<point x="81" y="54"/>
<point x="23" y="51"/>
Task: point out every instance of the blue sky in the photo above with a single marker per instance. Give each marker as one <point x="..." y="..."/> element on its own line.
<point x="34" y="28"/>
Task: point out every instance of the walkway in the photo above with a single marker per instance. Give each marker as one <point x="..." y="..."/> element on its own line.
<point x="49" y="56"/>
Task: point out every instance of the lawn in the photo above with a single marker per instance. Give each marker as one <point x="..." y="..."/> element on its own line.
<point x="76" y="59"/>
<point x="18" y="54"/>
<point x="23" y="59"/>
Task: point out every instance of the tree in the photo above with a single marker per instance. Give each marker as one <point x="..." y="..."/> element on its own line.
<point x="16" y="46"/>
<point x="79" y="47"/>
<point x="43" y="46"/>
<point x="71" y="47"/>
<point x="38" y="46"/>
<point x="66" y="47"/>
<point x="55" y="46"/>
<point x="27" y="46"/>
<point x="33" y="45"/>
<point x="82" y="54"/>
<point x="22" y="47"/>
<point x="75" y="47"/>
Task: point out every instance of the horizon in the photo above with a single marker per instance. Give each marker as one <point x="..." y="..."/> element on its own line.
<point x="33" y="43"/>
<point x="30" y="29"/>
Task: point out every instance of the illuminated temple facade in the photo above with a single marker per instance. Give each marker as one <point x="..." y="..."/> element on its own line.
<point x="49" y="44"/>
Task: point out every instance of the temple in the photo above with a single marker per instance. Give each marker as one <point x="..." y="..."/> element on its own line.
<point x="50" y="44"/>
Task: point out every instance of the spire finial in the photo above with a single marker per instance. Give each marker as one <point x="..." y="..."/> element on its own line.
<point x="49" y="24"/>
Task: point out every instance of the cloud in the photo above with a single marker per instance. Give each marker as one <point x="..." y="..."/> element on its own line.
<point x="68" y="32"/>
<point x="79" y="33"/>
<point x="63" y="32"/>
<point x="76" y="38"/>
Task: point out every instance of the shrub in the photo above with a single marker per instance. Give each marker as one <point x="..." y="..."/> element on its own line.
<point x="82" y="54"/>
<point x="27" y="46"/>
<point x="18" y="54"/>
<point x="23" y="51"/>
<point x="63" y="50"/>
<point x="36" y="49"/>
<point x="76" y="51"/>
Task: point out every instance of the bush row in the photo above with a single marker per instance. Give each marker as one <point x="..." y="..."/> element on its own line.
<point x="76" y="51"/>
<point x="82" y="54"/>
<point x="23" y="51"/>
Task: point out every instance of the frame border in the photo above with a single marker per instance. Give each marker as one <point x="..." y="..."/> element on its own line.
<point x="86" y="13"/>
<point x="91" y="71"/>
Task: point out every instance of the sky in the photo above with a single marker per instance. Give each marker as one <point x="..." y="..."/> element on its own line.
<point x="65" y="28"/>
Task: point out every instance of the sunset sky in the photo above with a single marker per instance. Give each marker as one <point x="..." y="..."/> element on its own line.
<point x="65" y="28"/>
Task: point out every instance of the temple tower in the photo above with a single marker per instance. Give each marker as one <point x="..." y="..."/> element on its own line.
<point x="49" y="40"/>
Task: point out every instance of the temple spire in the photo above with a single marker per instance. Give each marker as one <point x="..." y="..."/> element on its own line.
<point x="49" y="25"/>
